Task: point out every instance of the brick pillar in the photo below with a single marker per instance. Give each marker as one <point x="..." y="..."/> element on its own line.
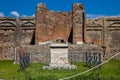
<point x="41" y="26"/>
<point x="78" y="23"/>
<point x="18" y="32"/>
<point x="0" y="46"/>
<point x="106" y="40"/>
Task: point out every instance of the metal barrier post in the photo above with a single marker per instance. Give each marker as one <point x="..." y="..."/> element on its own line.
<point x="100" y="60"/>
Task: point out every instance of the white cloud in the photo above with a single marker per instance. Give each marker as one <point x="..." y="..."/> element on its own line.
<point x="97" y="16"/>
<point x="93" y="16"/>
<point x="24" y="16"/>
<point x="1" y="14"/>
<point x="28" y="16"/>
<point x="33" y="15"/>
<point x="15" y="13"/>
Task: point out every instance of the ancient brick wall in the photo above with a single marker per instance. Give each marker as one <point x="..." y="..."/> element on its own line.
<point x="7" y="37"/>
<point x="14" y="32"/>
<point x="94" y="31"/>
<point x="8" y="44"/>
<point x="101" y="31"/>
<point x="104" y="31"/>
<point x="78" y="22"/>
<point x="0" y="46"/>
<point x="51" y="26"/>
<point x="41" y="53"/>
<point x="38" y="54"/>
<point x="94" y="37"/>
<point x="27" y="37"/>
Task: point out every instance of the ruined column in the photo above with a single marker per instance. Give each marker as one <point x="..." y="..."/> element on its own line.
<point x="41" y="25"/>
<point x="0" y="46"/>
<point x="78" y="23"/>
<point x="18" y="32"/>
<point x="106" y="40"/>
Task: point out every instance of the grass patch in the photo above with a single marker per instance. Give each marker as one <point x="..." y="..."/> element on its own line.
<point x="109" y="71"/>
<point x="9" y="71"/>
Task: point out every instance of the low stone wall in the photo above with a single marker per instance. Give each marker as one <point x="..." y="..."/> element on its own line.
<point x="38" y="54"/>
<point x="77" y="53"/>
<point x="41" y="53"/>
<point x="114" y="51"/>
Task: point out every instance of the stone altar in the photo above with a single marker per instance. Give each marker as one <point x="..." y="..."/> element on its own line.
<point x="59" y="57"/>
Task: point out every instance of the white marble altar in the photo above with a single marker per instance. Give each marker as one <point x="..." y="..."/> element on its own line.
<point x="59" y="57"/>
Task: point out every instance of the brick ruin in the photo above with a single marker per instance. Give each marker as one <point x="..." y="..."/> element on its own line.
<point x="68" y="26"/>
<point x="15" y="32"/>
<point x="47" y="25"/>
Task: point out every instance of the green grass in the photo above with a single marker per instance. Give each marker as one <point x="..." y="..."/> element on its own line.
<point x="109" y="71"/>
<point x="10" y="71"/>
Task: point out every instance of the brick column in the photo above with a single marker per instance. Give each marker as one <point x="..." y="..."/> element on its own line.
<point x="106" y="40"/>
<point x="78" y="23"/>
<point x="41" y="25"/>
<point x="18" y="32"/>
<point x="0" y="46"/>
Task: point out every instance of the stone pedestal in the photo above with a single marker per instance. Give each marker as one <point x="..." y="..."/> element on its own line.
<point x="59" y="57"/>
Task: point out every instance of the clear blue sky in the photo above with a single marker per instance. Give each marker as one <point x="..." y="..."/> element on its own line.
<point x="93" y="8"/>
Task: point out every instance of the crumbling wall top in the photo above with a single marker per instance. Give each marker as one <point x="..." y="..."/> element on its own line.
<point x="41" y="5"/>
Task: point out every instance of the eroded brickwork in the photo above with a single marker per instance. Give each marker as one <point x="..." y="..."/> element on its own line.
<point x="0" y="46"/>
<point x="41" y="53"/>
<point x="104" y="31"/>
<point x="13" y="33"/>
<point x="70" y="26"/>
<point x="78" y="22"/>
<point x="51" y="26"/>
